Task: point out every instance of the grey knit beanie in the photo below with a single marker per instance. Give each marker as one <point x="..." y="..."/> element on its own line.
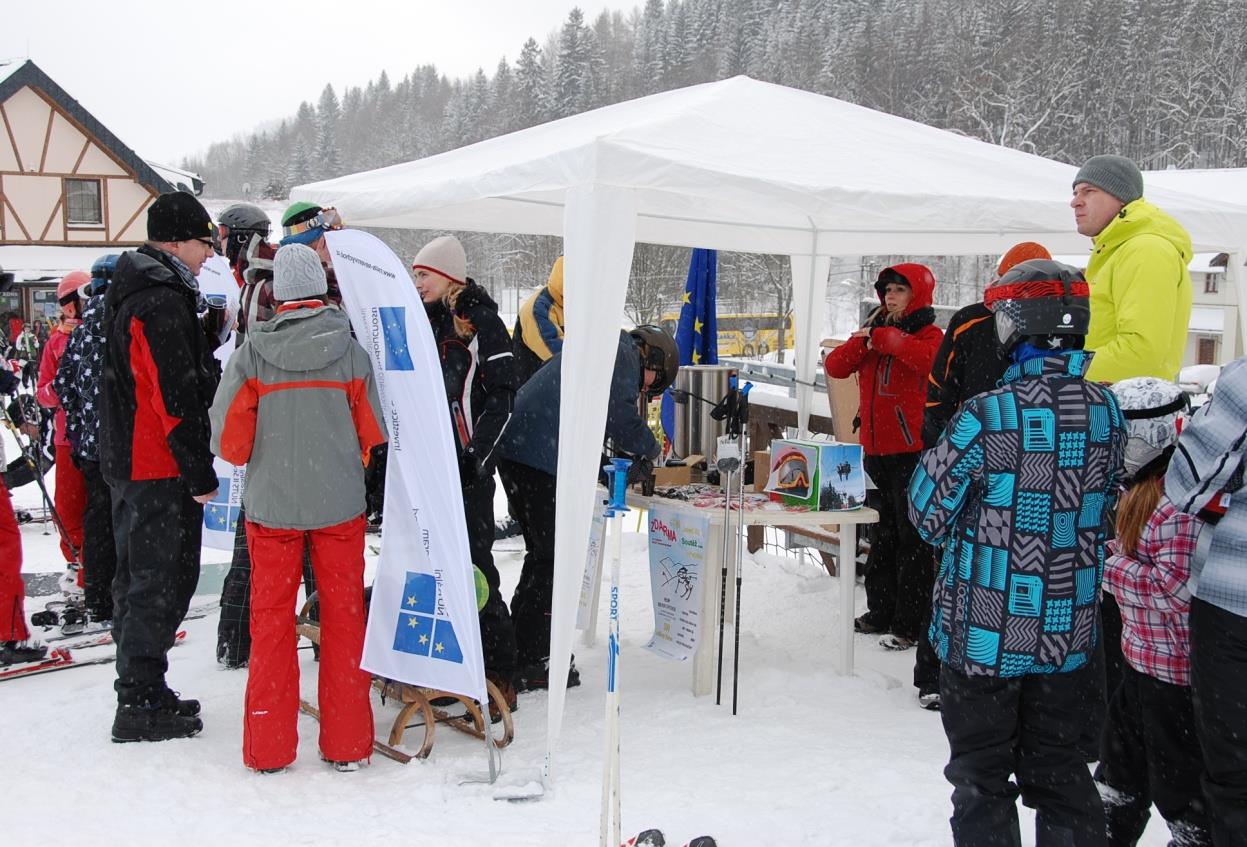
<point x="298" y="274"/>
<point x="1115" y="174"/>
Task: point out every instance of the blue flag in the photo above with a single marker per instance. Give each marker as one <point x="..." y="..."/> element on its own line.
<point x="697" y="335"/>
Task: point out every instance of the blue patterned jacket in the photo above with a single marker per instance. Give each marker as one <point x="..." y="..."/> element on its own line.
<point x="1018" y="490"/>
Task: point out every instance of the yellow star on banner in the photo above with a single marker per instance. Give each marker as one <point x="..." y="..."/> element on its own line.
<point x="697" y="325"/>
<point x="696" y="358"/>
<point x="424" y="639"/>
<point x="439" y="648"/>
<point x="413" y="623"/>
<point x="411" y="601"/>
<point x="687" y="298"/>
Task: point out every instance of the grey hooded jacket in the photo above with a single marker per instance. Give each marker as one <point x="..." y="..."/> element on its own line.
<point x="299" y="407"/>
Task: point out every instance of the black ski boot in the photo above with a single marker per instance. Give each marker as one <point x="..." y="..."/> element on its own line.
<point x="18" y="652"/>
<point x="159" y="721"/>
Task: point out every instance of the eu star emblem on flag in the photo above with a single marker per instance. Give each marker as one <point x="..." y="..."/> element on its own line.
<point x="420" y="631"/>
<point x="216" y="517"/>
<point x="394" y="329"/>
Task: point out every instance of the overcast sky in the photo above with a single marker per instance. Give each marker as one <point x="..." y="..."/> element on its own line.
<point x="166" y="77"/>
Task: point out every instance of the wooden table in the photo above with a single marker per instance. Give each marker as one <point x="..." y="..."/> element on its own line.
<point x="704" y="658"/>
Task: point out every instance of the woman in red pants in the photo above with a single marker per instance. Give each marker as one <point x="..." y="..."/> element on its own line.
<point x="71" y="490"/>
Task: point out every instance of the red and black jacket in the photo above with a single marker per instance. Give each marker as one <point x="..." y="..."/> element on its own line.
<point x="893" y="368"/>
<point x="159" y="377"/>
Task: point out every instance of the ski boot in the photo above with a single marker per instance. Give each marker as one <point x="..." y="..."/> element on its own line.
<point x="19" y="652"/>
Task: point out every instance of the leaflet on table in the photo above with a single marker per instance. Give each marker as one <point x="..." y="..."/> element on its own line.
<point x="677" y="561"/>
<point x="593" y="567"/>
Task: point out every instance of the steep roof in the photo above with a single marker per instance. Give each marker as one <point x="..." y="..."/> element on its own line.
<point x="18" y="75"/>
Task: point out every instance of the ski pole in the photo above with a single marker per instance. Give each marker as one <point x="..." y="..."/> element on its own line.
<point x="616" y="506"/>
<point x="742" y="412"/>
<point x="727" y="524"/>
<point x="725" y="464"/>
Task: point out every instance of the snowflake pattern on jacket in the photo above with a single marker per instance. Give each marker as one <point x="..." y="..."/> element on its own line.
<point x="77" y="382"/>
<point x="1018" y="490"/>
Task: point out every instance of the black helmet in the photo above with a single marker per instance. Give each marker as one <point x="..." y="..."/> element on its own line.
<point x="658" y="354"/>
<point x="243" y="220"/>
<point x="1043" y="300"/>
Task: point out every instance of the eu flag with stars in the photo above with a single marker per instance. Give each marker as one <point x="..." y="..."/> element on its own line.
<point x="697" y="334"/>
<point x="419" y="631"/>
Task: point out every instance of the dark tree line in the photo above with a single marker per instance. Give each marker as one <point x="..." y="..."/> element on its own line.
<point x="1161" y="81"/>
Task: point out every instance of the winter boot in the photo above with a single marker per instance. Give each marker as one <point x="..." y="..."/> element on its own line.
<point x="648" y="838"/>
<point x="346" y="767"/>
<point x="17" y="652"/>
<point x="865" y="625"/>
<point x="535" y="677"/>
<point x="185" y="708"/>
<point x="891" y="641"/>
<point x="702" y="841"/>
<point x="929" y="698"/>
<point x="157" y="721"/>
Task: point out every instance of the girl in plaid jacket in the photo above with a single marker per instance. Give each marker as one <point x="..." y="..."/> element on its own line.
<point x="1150" y="752"/>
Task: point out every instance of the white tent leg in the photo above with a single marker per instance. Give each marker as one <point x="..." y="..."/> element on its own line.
<point x="599" y="233"/>
<point x="809" y="294"/>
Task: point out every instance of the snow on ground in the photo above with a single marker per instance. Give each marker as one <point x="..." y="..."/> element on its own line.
<point x="812" y="758"/>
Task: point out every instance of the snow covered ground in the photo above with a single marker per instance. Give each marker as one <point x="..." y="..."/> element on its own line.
<point x="812" y="758"/>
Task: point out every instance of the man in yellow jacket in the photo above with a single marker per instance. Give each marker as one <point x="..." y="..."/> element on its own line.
<point x="1140" y="287"/>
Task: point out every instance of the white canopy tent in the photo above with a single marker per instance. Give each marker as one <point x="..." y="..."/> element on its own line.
<point x="734" y="165"/>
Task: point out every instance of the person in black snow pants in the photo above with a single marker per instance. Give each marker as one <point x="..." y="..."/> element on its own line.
<point x="77" y="385"/>
<point x="646" y="361"/>
<point x="476" y="357"/>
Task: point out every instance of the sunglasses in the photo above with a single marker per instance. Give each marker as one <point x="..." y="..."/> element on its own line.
<point x="207" y="242"/>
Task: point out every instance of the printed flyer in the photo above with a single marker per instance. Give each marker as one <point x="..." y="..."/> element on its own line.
<point x="677" y="561"/>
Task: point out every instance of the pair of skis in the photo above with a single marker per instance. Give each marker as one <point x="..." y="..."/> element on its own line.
<point x="61" y="658"/>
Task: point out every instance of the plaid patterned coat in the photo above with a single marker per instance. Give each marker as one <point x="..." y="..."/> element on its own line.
<point x="1018" y="491"/>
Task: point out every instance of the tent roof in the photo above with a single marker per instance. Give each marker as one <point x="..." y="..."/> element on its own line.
<point x="746" y="165"/>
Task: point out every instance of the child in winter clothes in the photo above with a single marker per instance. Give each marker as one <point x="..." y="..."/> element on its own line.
<point x="71" y="493"/>
<point x="1150" y="753"/>
<point x="892" y="356"/>
<point x="1017" y="490"/>
<point x="476" y="358"/>
<point x="1205" y="478"/>
<point x="299" y="407"/>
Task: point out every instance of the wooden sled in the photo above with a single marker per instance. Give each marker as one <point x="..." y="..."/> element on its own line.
<point x="418" y="709"/>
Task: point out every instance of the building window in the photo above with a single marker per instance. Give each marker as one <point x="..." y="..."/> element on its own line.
<point x="1207" y="351"/>
<point x="1210" y="283"/>
<point x="84" y="202"/>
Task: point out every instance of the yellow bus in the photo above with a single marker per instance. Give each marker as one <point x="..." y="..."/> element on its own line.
<point x="754" y="334"/>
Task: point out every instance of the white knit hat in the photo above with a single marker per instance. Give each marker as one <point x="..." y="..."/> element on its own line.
<point x="298" y="274"/>
<point x="443" y="255"/>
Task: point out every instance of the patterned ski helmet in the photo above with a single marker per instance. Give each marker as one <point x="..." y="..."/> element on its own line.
<point x="1039" y="298"/>
<point x="1152" y="408"/>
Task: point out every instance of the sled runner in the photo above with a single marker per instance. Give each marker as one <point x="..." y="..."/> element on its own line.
<point x="418" y="706"/>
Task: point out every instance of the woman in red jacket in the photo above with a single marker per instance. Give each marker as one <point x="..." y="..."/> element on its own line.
<point x="892" y="355"/>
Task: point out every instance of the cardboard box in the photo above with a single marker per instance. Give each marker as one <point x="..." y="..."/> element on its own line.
<point x="820" y="475"/>
<point x="671" y="475"/>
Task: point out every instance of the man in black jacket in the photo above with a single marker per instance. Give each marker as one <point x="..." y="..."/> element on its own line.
<point x="159" y="380"/>
<point x="646" y="361"/>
